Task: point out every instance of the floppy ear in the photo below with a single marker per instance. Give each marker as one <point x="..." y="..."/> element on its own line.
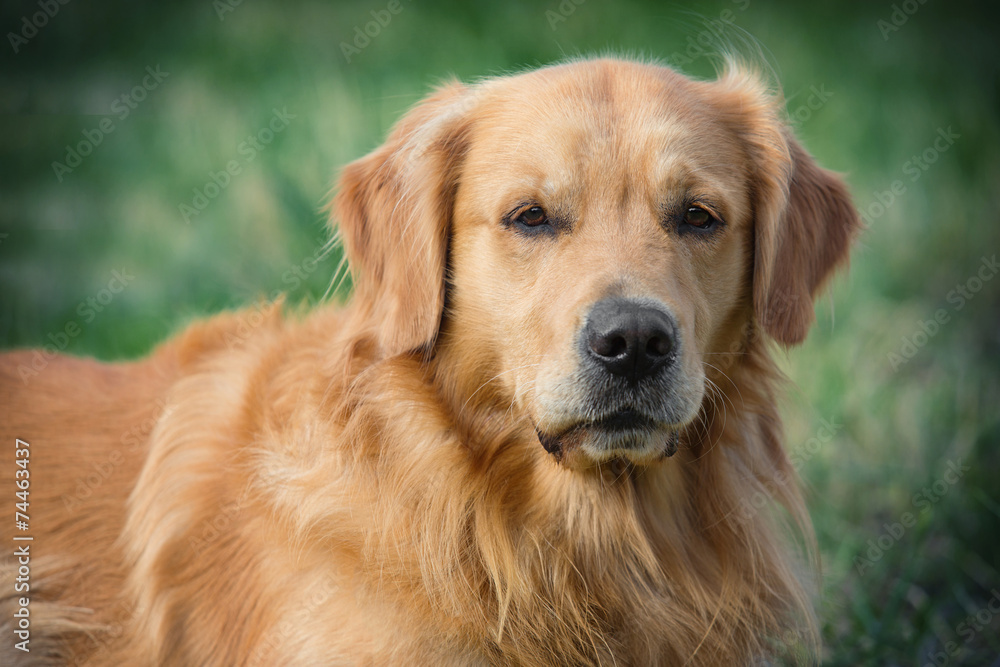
<point x="804" y="220"/>
<point x="799" y="247"/>
<point x="394" y="206"/>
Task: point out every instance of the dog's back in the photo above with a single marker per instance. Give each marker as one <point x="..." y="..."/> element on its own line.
<point x="86" y="427"/>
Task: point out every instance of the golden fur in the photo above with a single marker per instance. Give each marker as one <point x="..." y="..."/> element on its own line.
<point x="366" y="485"/>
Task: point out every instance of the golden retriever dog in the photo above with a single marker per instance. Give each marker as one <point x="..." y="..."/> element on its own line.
<point x="541" y="431"/>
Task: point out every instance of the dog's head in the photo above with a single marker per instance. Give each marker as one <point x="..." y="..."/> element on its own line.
<point x="589" y="239"/>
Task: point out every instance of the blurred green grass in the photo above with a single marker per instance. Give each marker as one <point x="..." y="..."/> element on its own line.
<point x="897" y="429"/>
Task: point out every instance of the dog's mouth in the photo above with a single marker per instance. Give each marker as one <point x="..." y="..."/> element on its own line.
<point x="625" y="433"/>
<point x="623" y="421"/>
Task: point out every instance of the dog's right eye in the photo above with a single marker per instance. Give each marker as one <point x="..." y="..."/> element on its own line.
<point x="533" y="216"/>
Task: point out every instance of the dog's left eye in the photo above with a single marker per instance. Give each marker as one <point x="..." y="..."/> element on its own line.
<point x="533" y="216"/>
<point x="699" y="218"/>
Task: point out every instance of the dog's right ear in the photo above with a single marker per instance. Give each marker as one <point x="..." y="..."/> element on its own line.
<point x="804" y="219"/>
<point x="394" y="207"/>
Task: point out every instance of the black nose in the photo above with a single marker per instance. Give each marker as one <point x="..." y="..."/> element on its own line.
<point x="630" y="339"/>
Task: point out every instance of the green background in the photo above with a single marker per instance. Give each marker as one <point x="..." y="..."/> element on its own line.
<point x="887" y="93"/>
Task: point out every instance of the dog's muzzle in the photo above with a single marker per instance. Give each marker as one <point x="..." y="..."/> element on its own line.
<point x="628" y="351"/>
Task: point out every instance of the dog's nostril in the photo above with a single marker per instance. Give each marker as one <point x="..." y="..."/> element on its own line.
<point x="611" y="345"/>
<point x="659" y="346"/>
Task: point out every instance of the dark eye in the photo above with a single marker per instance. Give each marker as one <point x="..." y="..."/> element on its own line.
<point x="698" y="217"/>
<point x="533" y="216"/>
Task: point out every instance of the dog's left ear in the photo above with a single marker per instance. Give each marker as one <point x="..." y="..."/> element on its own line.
<point x="804" y="219"/>
<point x="394" y="207"/>
<point x="799" y="247"/>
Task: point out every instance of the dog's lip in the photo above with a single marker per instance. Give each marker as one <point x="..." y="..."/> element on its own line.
<point x="624" y="421"/>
